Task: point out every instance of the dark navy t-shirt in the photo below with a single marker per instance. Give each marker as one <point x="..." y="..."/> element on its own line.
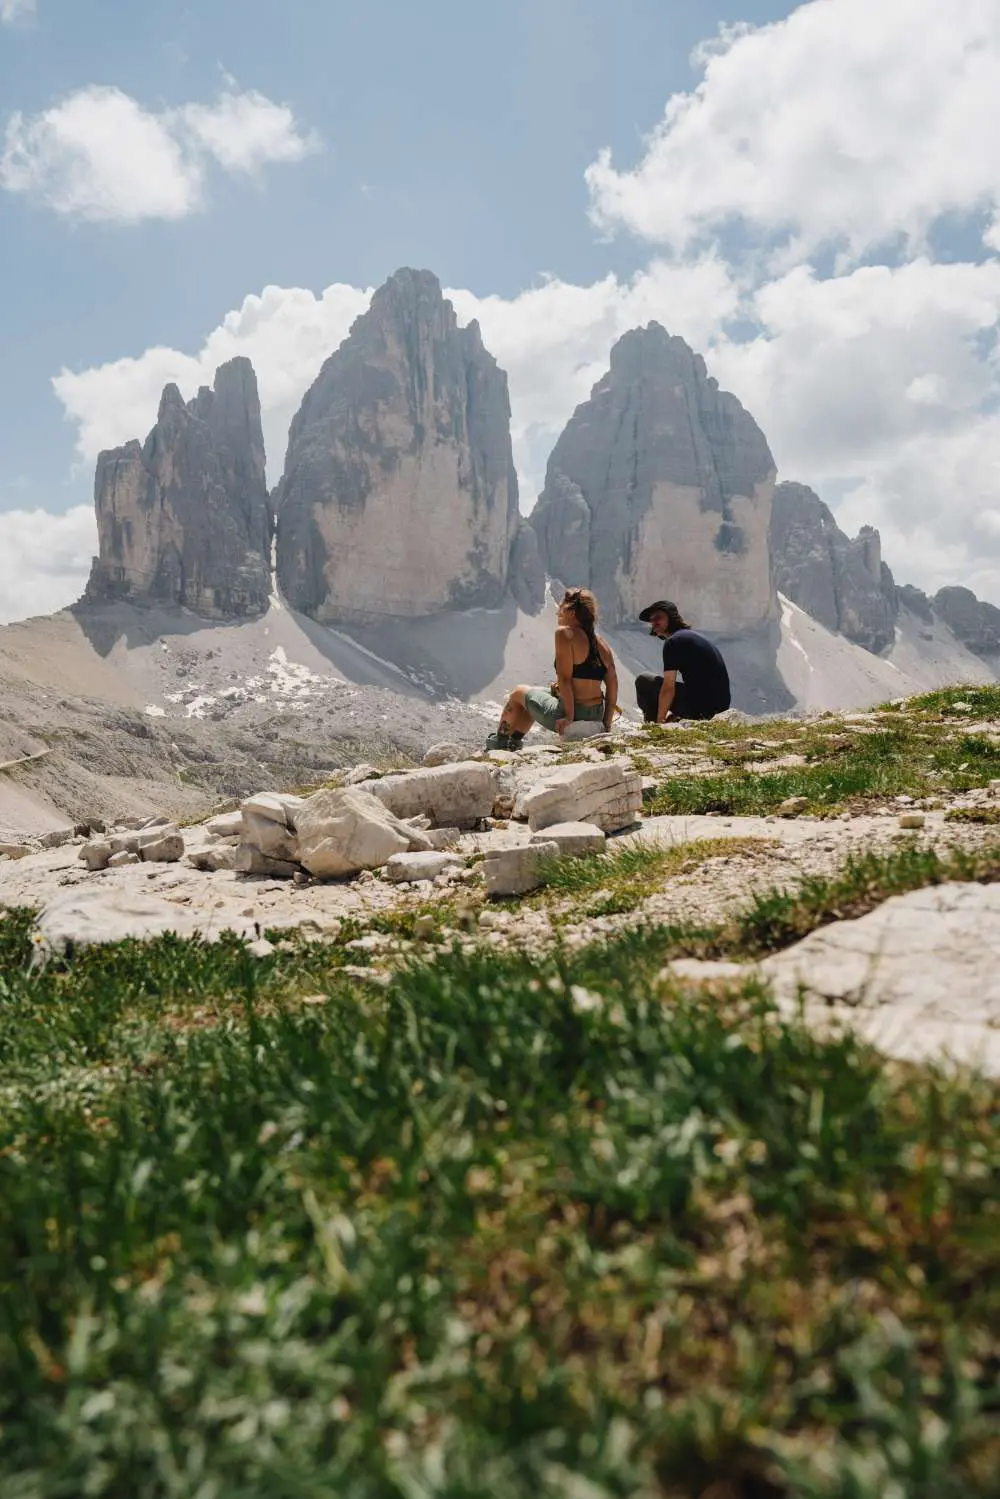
<point x="700" y="663"/>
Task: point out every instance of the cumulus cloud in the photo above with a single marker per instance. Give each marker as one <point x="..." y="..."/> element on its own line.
<point x="285" y="332"/>
<point x="847" y="123"/>
<point x="44" y="560"/>
<point x="100" y="155"/>
<point x="874" y="372"/>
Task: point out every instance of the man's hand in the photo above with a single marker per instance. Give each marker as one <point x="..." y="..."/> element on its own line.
<point x="562" y="724"/>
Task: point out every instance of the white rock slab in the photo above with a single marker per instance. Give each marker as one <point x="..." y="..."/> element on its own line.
<point x="919" y="976"/>
<point x="515" y="871"/>
<point x="607" y="795"/>
<point x="112" y="914"/>
<point x="452" y="796"/>
<point x="404" y="868"/>
<point x="573" y="839"/>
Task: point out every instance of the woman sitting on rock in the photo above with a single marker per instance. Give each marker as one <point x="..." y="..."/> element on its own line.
<point x="586" y="685"/>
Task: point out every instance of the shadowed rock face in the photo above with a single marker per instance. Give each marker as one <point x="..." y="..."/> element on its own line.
<point x="660" y="486"/>
<point x="975" y="623"/>
<point x="399" y="495"/>
<point x="184" y="517"/>
<point x="842" y="583"/>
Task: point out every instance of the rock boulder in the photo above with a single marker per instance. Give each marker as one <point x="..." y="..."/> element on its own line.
<point x="184" y="517"/>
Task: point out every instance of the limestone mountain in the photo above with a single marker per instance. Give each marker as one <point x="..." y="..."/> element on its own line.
<point x="661" y="483"/>
<point x="399" y="495"/>
<point x="975" y="623"/>
<point x="840" y="581"/>
<point x="183" y="518"/>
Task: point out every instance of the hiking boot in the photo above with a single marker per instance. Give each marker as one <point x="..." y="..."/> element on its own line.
<point x="505" y="742"/>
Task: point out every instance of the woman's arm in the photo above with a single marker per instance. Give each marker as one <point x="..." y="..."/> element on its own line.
<point x="610" y="686"/>
<point x="564" y="675"/>
<point x="667" y="693"/>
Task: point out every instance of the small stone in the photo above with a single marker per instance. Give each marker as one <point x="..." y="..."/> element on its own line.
<point x="792" y="806"/>
<point x="161" y="844"/>
<point x="444" y="753"/>
<point x="515" y="871"/>
<point x="96" y="855"/>
<point x="159" y="821"/>
<point x="574" y="838"/>
<point x="225" y="825"/>
<point x="402" y="868"/>
<point x="123" y="857"/>
<point x="362" y="772"/>
<point x="14" y="850"/>
<point x="56" y="838"/>
<point x="994" y="788"/>
<point x="261" y="948"/>
<point x="441" y="839"/>
<point x="301" y="878"/>
<point x="912" y="820"/>
<point x="250" y="860"/>
<point x="424" y="926"/>
<point x="221" y="856"/>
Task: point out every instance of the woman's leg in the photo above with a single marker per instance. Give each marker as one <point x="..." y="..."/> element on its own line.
<point x="515" y="718"/>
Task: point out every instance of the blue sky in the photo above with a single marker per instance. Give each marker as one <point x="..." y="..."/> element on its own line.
<point x="469" y="139"/>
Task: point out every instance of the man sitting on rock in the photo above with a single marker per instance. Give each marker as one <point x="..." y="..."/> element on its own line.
<point x="704" y="690"/>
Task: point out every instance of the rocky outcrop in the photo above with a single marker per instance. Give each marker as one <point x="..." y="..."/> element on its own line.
<point x="184" y="518"/>
<point x="399" y="495"/>
<point x="526" y="579"/>
<point x="840" y="582"/>
<point x="661" y="485"/>
<point x="916" y="601"/>
<point x="975" y="623"/>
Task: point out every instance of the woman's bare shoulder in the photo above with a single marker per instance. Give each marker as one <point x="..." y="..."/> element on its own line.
<point x="605" y="649"/>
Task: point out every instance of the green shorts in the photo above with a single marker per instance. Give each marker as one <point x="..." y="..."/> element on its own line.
<point x="546" y="709"/>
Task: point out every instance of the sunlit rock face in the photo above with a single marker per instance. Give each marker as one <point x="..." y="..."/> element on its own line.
<point x="183" y="518"/>
<point x="399" y="495"/>
<point x="661" y="486"/>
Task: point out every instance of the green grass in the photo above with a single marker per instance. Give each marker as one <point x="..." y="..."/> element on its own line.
<point x="775" y="918"/>
<point x="508" y="1227"/>
<point x="910" y="757"/>
<point x="985" y="815"/>
<point x="620" y="879"/>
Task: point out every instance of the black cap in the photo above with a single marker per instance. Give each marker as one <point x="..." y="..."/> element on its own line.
<point x="662" y="606"/>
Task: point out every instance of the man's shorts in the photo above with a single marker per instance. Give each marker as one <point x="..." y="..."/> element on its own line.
<point x="546" y="709"/>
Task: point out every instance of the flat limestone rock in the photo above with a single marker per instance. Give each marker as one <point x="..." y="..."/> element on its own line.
<point x="403" y="868"/>
<point x="90" y="916"/>
<point x="515" y="871"/>
<point x="573" y="838"/>
<point x="452" y="796"/>
<point x="919" y="976"/>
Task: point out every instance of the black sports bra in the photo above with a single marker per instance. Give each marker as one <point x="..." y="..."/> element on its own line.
<point x="591" y="670"/>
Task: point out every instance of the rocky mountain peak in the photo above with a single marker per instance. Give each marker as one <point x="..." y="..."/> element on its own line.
<point x="841" y="582"/>
<point x="661" y="484"/>
<point x="183" y="519"/>
<point x="399" y="495"/>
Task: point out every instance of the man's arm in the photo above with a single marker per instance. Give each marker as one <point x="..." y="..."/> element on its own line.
<point x="667" y="693"/>
<point x="610" y="693"/>
<point x="564" y="675"/>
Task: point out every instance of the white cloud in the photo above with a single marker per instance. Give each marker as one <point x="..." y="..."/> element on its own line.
<point x="100" y="155"/>
<point x="44" y="560"/>
<point x="847" y="123"/>
<point x="285" y="332"/>
<point x="13" y="10"/>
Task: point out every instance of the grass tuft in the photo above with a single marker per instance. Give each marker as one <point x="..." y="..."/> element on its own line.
<point x="510" y="1226"/>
